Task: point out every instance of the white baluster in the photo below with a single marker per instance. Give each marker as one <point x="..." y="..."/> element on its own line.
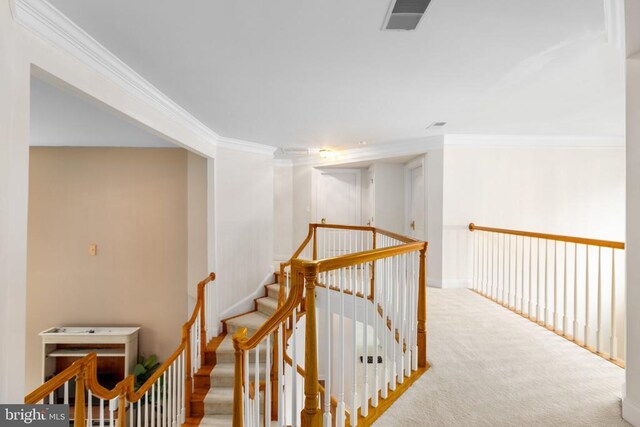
<point x="365" y="354"/>
<point x="575" y="291"/>
<point x="66" y="393"/>
<point x="565" y="297"/>
<point x="612" y="353"/>
<point x="522" y="279"/>
<point x="327" y="357"/>
<point x="586" y="298"/>
<point x="530" y="301"/>
<point x="152" y="416"/>
<point x="267" y="382"/>
<point x="89" y="408"/>
<point x="515" y="285"/>
<point x="340" y="409"/>
<point x="101" y="412"/>
<point x="504" y="270"/>
<point x="509" y="275"/>
<point x="294" y="377"/>
<point x="546" y="283"/>
<point x="138" y="413"/>
<point x="256" y="387"/>
<point x="376" y="370"/>
<point x="385" y="314"/>
<point x="281" y="385"/>
<point x="354" y="388"/>
<point x="113" y="403"/>
<point x="599" y="302"/>
<point x="555" y="283"/>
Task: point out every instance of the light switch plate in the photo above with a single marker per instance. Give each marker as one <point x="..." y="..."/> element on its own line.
<point x="93" y="249"/>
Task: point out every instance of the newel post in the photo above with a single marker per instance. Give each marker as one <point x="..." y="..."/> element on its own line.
<point x="311" y="415"/>
<point x="188" y="381"/>
<point x="79" y="414"/>
<point x="422" y="310"/>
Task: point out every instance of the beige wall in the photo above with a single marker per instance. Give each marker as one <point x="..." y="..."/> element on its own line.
<point x="133" y="204"/>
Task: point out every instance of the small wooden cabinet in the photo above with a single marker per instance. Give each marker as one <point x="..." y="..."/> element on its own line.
<point x="116" y="347"/>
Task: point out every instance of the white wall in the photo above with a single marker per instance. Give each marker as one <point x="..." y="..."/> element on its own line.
<point x="283" y="244"/>
<point x="14" y="190"/>
<point x="303" y="195"/>
<point x="244" y="224"/>
<point x="570" y="191"/>
<point x="631" y="402"/>
<point x="434" y="161"/>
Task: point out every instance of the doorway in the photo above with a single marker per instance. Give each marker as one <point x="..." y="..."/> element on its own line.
<point x="338" y="196"/>
<point x="416" y="206"/>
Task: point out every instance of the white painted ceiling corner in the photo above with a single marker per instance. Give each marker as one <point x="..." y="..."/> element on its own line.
<point x="47" y="22"/>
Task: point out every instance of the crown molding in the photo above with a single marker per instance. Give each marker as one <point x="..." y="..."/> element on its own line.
<point x="42" y="18"/>
<point x="375" y="152"/>
<point x="521" y="141"/>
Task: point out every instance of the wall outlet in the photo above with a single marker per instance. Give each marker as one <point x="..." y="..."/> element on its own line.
<point x="93" y="249"/>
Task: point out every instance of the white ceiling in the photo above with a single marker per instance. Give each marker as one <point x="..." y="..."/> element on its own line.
<point x="321" y="73"/>
<point x="59" y="118"/>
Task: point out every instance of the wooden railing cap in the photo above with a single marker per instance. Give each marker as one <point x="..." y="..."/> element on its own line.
<point x="556" y="237"/>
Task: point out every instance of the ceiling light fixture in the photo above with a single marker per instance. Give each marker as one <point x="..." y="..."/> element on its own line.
<point x="362" y="142"/>
<point x="325" y="153"/>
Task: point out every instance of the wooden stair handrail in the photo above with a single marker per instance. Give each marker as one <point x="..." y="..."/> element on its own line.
<point x="86" y="373"/>
<point x="557" y="237"/>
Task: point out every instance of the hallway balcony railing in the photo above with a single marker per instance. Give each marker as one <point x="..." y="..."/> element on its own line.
<point x="570" y="285"/>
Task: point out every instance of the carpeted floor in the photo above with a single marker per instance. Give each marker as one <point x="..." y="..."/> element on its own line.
<point x="491" y="367"/>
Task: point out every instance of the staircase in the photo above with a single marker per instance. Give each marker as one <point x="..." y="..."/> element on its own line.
<point x="213" y="401"/>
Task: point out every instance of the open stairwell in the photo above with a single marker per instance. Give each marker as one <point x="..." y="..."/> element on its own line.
<point x="335" y="340"/>
<point x="214" y="402"/>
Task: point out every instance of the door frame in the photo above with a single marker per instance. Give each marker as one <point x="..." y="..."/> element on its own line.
<point x="337" y="171"/>
<point x="408" y="192"/>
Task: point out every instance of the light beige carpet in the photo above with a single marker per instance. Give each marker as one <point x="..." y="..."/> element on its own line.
<point x="491" y="367"/>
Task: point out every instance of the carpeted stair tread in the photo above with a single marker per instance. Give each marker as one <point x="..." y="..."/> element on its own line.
<point x="273" y="290"/>
<point x="219" y="400"/>
<point x="252" y="321"/>
<point x="267" y="305"/>
<point x="216" y="420"/>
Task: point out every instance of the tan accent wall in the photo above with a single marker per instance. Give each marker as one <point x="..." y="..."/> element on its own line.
<point x="133" y="204"/>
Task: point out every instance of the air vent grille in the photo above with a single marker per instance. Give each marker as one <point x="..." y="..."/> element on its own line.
<point x="406" y="14"/>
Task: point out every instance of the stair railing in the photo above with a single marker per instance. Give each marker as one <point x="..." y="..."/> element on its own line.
<point x="162" y="400"/>
<point x="387" y="288"/>
<point x="566" y="284"/>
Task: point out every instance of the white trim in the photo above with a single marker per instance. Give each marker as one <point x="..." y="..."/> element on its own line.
<point x="53" y="26"/>
<point x="283" y="162"/>
<point x="462" y="140"/>
<point x="246" y="304"/>
<point x="630" y="412"/>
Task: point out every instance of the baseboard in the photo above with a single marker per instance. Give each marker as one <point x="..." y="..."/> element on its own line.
<point x="448" y="284"/>
<point x="434" y="283"/>
<point x="456" y="284"/>
<point x="631" y="412"/>
<point x="247" y="304"/>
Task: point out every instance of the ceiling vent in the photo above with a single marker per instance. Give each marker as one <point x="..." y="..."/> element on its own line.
<point x="436" y="125"/>
<point x="405" y="14"/>
<point x="294" y="152"/>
